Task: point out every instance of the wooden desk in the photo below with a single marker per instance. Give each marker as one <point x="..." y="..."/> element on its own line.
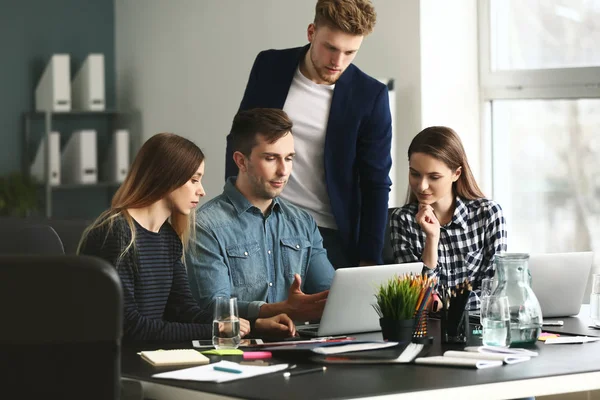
<point x="558" y="369"/>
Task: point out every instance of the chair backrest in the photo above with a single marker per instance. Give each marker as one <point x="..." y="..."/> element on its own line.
<point x="388" y="252"/>
<point x="61" y="326"/>
<point x="69" y="230"/>
<point x="30" y="239"/>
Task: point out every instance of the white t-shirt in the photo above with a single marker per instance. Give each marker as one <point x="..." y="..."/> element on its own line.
<point x="308" y="105"/>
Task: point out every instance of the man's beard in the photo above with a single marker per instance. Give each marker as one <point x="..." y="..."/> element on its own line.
<point x="326" y="77"/>
<point x="261" y="189"/>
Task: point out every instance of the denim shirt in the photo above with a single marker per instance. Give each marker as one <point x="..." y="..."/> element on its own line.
<point x="238" y="252"/>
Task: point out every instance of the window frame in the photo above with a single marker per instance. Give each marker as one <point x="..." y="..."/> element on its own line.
<point x="558" y="83"/>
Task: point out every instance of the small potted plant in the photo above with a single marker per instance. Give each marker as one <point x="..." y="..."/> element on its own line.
<point x="399" y="303"/>
<point x="18" y="195"/>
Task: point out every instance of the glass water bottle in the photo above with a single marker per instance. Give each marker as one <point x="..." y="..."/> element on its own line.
<point x="514" y="282"/>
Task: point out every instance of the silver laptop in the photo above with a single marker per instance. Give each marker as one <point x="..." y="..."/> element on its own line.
<point x="349" y="305"/>
<point x="559" y="280"/>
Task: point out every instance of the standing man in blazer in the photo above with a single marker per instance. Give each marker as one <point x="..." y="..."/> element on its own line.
<point x="342" y="130"/>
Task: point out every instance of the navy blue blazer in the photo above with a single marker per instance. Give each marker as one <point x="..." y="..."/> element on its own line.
<point x="357" y="145"/>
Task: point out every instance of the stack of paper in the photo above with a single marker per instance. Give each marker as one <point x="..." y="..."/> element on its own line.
<point x="399" y="355"/>
<point x="571" y="340"/>
<point x="458" y="362"/>
<point x="505" y="358"/>
<point x="480" y="357"/>
<point x="208" y="373"/>
<point x="502" y="350"/>
<point x="174" y="357"/>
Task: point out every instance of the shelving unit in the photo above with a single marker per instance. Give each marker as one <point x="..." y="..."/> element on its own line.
<point x="48" y="118"/>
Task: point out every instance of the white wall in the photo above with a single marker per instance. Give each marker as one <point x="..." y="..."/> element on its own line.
<point x="449" y="74"/>
<point x="185" y="63"/>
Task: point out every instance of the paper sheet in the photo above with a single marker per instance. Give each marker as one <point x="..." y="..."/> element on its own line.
<point x="207" y="373"/>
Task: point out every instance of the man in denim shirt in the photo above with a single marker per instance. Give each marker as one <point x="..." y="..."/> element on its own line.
<point x="251" y="244"/>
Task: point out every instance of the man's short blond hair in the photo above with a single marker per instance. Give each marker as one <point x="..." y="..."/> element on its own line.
<point x="356" y="17"/>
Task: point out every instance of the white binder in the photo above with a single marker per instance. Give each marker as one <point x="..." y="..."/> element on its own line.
<point x="38" y="168"/>
<point x="79" y="158"/>
<point x="116" y="165"/>
<point x="53" y="91"/>
<point x="88" y="91"/>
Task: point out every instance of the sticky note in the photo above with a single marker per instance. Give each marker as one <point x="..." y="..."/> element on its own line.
<point x="224" y="352"/>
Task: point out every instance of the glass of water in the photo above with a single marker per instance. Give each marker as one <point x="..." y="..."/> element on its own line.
<point x="487" y="286"/>
<point x="496" y="321"/>
<point x="226" y="324"/>
<point x="595" y="300"/>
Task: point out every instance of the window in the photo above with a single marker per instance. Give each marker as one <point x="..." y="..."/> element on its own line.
<point x="544" y="34"/>
<point x="540" y="79"/>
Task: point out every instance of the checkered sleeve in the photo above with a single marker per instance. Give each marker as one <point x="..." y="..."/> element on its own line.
<point x="403" y="237"/>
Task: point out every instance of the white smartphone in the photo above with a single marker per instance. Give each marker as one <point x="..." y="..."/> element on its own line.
<point x="207" y="344"/>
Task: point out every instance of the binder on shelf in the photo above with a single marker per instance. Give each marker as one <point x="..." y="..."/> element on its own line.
<point x="79" y="158"/>
<point x="38" y="168"/>
<point x="53" y="91"/>
<point x="116" y="165"/>
<point x="87" y="88"/>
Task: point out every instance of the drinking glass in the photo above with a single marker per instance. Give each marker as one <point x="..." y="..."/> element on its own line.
<point x="487" y="286"/>
<point x="226" y="324"/>
<point x="595" y="300"/>
<point x="496" y="321"/>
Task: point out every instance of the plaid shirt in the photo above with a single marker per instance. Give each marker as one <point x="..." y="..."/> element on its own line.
<point x="467" y="243"/>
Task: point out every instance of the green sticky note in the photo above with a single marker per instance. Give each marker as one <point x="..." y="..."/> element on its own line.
<point x="224" y="352"/>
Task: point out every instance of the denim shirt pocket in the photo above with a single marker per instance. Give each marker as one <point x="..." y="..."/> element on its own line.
<point x="245" y="264"/>
<point x="295" y="255"/>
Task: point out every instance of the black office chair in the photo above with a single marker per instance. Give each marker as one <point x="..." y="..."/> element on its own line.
<point x="69" y="230"/>
<point x="61" y="327"/>
<point x="388" y="252"/>
<point x="30" y="239"/>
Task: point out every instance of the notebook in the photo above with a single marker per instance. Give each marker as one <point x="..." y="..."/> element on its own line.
<point x="445" y="361"/>
<point x="559" y="280"/>
<point x="349" y="304"/>
<point x="174" y="357"/>
<point x="208" y="373"/>
<point x="399" y="354"/>
<point x="505" y="358"/>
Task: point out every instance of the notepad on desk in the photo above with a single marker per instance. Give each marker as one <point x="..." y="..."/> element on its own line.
<point x="174" y="357"/>
<point x="208" y="373"/>
<point x="502" y="350"/>
<point x="458" y="362"/>
<point x="398" y="354"/>
<point x="505" y="358"/>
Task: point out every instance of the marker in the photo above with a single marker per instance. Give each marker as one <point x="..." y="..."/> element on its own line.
<point x="256" y="355"/>
<point x="303" y="371"/>
<point x="225" y="369"/>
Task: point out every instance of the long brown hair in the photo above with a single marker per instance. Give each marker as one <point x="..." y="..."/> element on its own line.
<point x="164" y="163"/>
<point x="443" y="143"/>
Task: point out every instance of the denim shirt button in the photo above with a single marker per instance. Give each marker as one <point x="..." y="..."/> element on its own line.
<point x="297" y="246"/>
<point x="270" y="283"/>
<point x="245" y="253"/>
<point x="269" y="251"/>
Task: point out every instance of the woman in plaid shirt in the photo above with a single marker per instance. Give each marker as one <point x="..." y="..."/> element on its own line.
<point x="447" y="223"/>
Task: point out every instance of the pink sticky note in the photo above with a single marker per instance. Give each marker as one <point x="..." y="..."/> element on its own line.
<point x="257" y="355"/>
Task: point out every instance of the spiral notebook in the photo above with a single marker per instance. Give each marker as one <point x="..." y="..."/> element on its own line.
<point x="174" y="357"/>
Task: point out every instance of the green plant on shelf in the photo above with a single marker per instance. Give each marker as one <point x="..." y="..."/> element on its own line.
<point x="18" y="195"/>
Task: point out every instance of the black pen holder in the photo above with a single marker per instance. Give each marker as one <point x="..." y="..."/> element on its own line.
<point x="455" y="328"/>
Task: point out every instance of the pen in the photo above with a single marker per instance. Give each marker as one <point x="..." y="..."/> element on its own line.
<point x="303" y="371"/>
<point x="225" y="369"/>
